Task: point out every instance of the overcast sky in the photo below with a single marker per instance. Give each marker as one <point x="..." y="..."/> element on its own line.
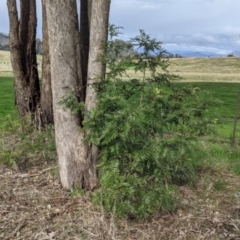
<point x="196" y="25"/>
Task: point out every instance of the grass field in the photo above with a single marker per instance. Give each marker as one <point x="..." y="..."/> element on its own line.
<point x="6" y="84"/>
<point x="207" y="210"/>
<point x="6" y="96"/>
<point x="6" y="67"/>
<point x="206" y="69"/>
<point x="219" y="76"/>
<point x="224" y="108"/>
<point x="202" y="69"/>
<point x="5" y="64"/>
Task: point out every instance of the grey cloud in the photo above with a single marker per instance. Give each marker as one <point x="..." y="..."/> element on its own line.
<point x="198" y="24"/>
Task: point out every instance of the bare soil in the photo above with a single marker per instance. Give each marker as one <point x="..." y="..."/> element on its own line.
<point x="33" y="205"/>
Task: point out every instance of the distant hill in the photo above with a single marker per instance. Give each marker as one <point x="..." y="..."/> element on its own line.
<point x="204" y="54"/>
<point x="4" y="39"/>
<point x="196" y="54"/>
<point x="4" y="42"/>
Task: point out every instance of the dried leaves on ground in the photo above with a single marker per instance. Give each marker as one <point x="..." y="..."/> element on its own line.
<point x="33" y="205"/>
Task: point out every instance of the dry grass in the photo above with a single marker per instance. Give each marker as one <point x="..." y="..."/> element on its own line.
<point x="207" y="69"/>
<point x="4" y="56"/>
<point x="202" y="69"/>
<point x="190" y="69"/>
<point x="34" y="206"/>
<point x="5" y="64"/>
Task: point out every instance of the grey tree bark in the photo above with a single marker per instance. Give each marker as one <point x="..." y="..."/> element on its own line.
<point x="96" y="70"/>
<point x="64" y="42"/>
<point x="23" y="56"/>
<point x="46" y="109"/>
<point x="77" y="160"/>
<point x="98" y="36"/>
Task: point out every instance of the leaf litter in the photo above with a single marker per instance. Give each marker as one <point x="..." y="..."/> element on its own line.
<point x="33" y="205"/>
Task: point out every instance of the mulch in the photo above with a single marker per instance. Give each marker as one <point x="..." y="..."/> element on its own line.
<point x="34" y="206"/>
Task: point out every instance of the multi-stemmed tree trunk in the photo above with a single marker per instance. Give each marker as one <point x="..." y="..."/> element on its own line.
<point x="28" y="98"/>
<point x="46" y="110"/>
<point x="77" y="160"/>
<point x="74" y="69"/>
<point x="23" y="56"/>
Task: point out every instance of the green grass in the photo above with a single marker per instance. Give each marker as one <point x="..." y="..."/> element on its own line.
<point x="224" y="108"/>
<point x="226" y="93"/>
<point x="220" y="155"/>
<point x="6" y="97"/>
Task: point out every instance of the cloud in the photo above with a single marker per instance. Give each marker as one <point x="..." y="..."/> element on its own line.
<point x="237" y="42"/>
<point x="194" y="48"/>
<point x="200" y="24"/>
<point x="195" y="23"/>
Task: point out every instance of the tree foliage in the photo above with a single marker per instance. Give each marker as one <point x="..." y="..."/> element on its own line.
<point x="146" y="130"/>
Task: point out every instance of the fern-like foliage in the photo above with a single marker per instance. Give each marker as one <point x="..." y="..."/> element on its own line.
<point x="146" y="132"/>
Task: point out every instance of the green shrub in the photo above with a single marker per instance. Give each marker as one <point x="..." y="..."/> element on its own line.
<point x="146" y="130"/>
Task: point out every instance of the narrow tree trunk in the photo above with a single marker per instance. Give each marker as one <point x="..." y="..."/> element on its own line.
<point x="98" y="36"/>
<point x="96" y="70"/>
<point x="46" y="111"/>
<point x="85" y="14"/>
<point x="64" y="43"/>
<point x="23" y="55"/>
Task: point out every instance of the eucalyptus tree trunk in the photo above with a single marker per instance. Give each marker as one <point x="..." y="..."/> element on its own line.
<point x="96" y="70"/>
<point x="98" y="36"/>
<point x="23" y="56"/>
<point x="64" y="43"/>
<point x="46" y="109"/>
<point x="77" y="160"/>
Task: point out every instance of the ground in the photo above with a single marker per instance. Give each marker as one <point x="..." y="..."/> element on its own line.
<point x="34" y="206"/>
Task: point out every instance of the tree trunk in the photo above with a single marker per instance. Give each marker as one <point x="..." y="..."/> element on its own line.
<point x="98" y="36"/>
<point x="23" y="56"/>
<point x="85" y="15"/>
<point x="46" y="111"/>
<point x="96" y="70"/>
<point x="64" y="44"/>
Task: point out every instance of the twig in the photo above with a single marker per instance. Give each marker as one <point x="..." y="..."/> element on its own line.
<point x="47" y="169"/>
<point x="92" y="234"/>
<point x="17" y="229"/>
<point x="37" y="174"/>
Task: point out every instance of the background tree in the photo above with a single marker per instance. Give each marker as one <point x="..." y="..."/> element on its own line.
<point x="23" y="55"/>
<point x="76" y="159"/>
<point x="39" y="46"/>
<point x="125" y="49"/>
